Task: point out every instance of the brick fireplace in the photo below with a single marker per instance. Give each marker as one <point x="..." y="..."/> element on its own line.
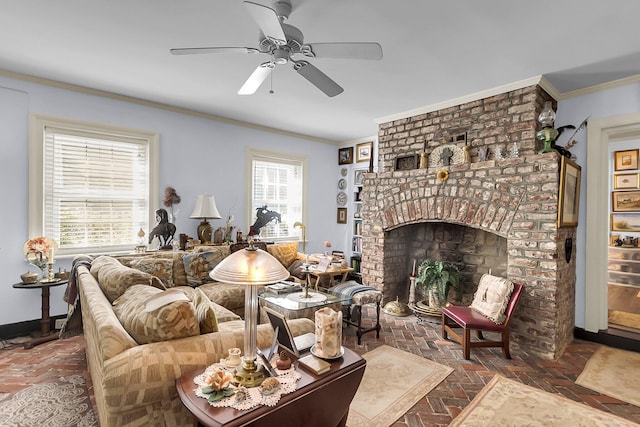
<point x="491" y="214"/>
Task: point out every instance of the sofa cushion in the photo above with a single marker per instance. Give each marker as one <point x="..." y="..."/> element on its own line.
<point x="151" y="315"/>
<point x="227" y="295"/>
<point x="114" y="278"/>
<point x="492" y="297"/>
<point x="198" y="265"/>
<point x="285" y="252"/>
<point x="162" y="268"/>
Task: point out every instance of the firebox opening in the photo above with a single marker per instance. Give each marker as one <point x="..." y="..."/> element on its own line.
<point x="475" y="252"/>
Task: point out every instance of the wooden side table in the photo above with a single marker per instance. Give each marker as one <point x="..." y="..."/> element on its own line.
<point x="331" y="272"/>
<point x="319" y="401"/>
<point x="44" y="335"/>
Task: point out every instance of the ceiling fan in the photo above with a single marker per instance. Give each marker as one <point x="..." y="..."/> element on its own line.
<point x="282" y="41"/>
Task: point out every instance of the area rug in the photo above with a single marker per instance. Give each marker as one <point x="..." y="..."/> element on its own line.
<point x="393" y="382"/>
<point x="613" y="372"/>
<point x="63" y="402"/>
<point x="505" y="402"/>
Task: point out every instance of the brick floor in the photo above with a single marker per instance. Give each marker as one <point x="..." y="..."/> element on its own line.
<point x="20" y="368"/>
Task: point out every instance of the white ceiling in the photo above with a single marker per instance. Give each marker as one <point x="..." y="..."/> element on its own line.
<point x="434" y="51"/>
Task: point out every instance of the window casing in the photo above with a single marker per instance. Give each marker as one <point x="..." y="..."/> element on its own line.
<point x="91" y="187"/>
<point x="277" y="181"/>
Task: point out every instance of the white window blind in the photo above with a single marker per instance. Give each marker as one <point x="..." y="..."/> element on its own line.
<point x="96" y="188"/>
<point x="277" y="182"/>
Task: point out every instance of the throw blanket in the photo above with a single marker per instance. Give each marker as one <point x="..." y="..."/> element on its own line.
<point x="347" y="290"/>
<point x="73" y="324"/>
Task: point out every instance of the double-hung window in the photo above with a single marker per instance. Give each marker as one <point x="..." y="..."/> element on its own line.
<point x="277" y="182"/>
<point x="92" y="187"/>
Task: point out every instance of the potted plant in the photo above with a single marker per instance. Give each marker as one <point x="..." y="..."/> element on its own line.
<point x="436" y="278"/>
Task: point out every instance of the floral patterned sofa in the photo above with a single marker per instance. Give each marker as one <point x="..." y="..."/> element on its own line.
<point x="136" y="348"/>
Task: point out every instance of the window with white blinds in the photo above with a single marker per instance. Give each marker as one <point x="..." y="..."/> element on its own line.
<point x="96" y="186"/>
<point x="277" y="183"/>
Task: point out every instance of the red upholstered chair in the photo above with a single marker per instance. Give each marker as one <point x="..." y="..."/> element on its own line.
<point x="469" y="319"/>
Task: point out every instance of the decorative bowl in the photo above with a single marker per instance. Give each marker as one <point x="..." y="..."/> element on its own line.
<point x="29" y="277"/>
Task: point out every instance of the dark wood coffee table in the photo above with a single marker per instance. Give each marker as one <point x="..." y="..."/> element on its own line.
<point x="319" y="401"/>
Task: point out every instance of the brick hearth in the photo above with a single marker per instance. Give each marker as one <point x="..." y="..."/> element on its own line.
<point x="510" y="204"/>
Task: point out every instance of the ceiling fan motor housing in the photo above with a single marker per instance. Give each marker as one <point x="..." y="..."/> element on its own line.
<point x="295" y="40"/>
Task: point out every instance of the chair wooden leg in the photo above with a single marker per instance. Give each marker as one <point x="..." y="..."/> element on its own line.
<point x="378" y="327"/>
<point x="505" y="344"/>
<point x="444" y="329"/>
<point x="466" y="343"/>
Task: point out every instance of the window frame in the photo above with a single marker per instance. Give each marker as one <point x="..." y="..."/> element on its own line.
<point x="37" y="125"/>
<point x="274" y="156"/>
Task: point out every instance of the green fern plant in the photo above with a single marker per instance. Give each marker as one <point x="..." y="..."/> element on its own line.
<point x="438" y="277"/>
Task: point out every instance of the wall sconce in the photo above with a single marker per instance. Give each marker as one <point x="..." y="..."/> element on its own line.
<point x="251" y="267"/>
<point x="205" y="208"/>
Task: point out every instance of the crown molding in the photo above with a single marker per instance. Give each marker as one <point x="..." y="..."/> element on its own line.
<point x="158" y="105"/>
<point x="603" y="86"/>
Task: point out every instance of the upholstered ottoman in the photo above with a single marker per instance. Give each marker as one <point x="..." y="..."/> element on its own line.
<point x="358" y="295"/>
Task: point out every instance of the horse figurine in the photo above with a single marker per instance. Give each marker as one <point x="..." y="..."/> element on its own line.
<point x="264" y="216"/>
<point x="164" y="231"/>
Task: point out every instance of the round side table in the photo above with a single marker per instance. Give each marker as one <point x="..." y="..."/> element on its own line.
<point x="44" y="335"/>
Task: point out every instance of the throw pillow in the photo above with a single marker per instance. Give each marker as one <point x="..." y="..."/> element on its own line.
<point x="162" y="268"/>
<point x="286" y="252"/>
<point x="115" y="278"/>
<point x="99" y="262"/>
<point x="205" y="310"/>
<point x="198" y="265"/>
<point x="151" y="315"/>
<point x="492" y="297"/>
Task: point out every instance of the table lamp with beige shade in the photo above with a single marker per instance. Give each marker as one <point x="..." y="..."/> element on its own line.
<point x="205" y="209"/>
<point x="251" y="267"/>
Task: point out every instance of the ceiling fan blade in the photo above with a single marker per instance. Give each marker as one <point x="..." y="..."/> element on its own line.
<point x="318" y="78"/>
<point x="365" y="50"/>
<point x="256" y="78"/>
<point x="268" y="21"/>
<point x="197" y="50"/>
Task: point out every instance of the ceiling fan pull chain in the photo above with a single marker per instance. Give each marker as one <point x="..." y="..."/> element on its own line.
<point x="271" y="84"/>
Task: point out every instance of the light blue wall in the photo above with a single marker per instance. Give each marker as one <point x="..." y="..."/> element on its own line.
<point x="613" y="102"/>
<point x="197" y="156"/>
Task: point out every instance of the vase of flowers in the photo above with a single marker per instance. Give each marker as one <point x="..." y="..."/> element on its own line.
<point x="40" y="252"/>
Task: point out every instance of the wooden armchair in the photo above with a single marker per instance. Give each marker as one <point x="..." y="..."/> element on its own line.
<point x="469" y="319"/>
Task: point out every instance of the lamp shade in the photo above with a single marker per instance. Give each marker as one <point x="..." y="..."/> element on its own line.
<point x="205" y="208"/>
<point x="249" y="267"/>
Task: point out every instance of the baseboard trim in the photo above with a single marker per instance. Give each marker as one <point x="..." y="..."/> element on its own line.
<point x="21" y="329"/>
<point x="609" y="338"/>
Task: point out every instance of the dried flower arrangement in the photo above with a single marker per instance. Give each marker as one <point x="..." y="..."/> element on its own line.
<point x="171" y="198"/>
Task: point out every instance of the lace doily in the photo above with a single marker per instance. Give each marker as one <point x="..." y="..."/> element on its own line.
<point x="253" y="397"/>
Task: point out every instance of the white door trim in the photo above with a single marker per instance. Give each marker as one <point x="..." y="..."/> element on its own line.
<point x="601" y="133"/>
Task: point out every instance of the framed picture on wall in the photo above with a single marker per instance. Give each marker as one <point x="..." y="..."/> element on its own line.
<point x="625" y="160"/>
<point x="363" y="151"/>
<point x="345" y="156"/>
<point x="358" y="176"/>
<point x="625" y="221"/>
<point x="342" y="215"/>
<point x="569" y="199"/>
<point x="625" y="201"/>
<point x="622" y="181"/>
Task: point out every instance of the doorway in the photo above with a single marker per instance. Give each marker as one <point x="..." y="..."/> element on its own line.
<point x="612" y="299"/>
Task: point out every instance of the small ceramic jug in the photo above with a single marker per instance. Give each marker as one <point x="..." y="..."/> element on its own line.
<point x="234" y="357"/>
